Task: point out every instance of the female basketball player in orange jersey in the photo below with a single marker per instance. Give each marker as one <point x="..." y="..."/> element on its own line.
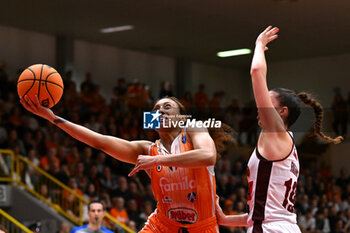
<point x="273" y="167"/>
<point x="180" y="167"/>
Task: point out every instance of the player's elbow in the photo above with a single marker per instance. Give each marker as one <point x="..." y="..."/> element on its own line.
<point x="256" y="70"/>
<point x="210" y="158"/>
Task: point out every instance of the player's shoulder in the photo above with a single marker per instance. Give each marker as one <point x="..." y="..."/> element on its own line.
<point x="78" y="229"/>
<point x="106" y="230"/>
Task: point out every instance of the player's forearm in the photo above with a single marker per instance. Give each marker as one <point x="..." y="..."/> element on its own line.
<point x="78" y="132"/>
<point x="234" y="220"/>
<point x="258" y="68"/>
<point x="193" y="158"/>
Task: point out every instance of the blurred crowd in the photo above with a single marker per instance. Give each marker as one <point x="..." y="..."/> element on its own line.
<point x="322" y="200"/>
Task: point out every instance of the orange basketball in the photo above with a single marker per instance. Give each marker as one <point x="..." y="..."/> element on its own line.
<point x="41" y="80"/>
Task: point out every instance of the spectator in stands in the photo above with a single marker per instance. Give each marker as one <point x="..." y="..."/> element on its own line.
<point x="133" y="212"/>
<point x="10" y="104"/>
<point x="201" y="100"/>
<point x="322" y="223"/>
<point x="339" y="227"/>
<point x="80" y="176"/>
<point x="248" y="125"/>
<point x="233" y="115"/>
<point x="214" y="105"/>
<point x="49" y="158"/>
<point x="24" y="176"/>
<point x="124" y="128"/>
<point x="106" y="199"/>
<point x="187" y="101"/>
<point x="64" y="227"/>
<point x="223" y="166"/>
<point x="134" y="95"/>
<point x="308" y="222"/>
<point x="118" y="210"/>
<point x="94" y="178"/>
<point x="96" y="212"/>
<point x="16" y="118"/>
<point x="62" y="153"/>
<point x="119" y="99"/>
<point x="100" y="161"/>
<point x="91" y="193"/>
<point x="13" y="140"/>
<point x="88" y="82"/>
<point x="165" y="89"/>
<point x="69" y="199"/>
<point x="44" y="192"/>
<point x="33" y="158"/>
<point x="98" y="101"/>
<point x="53" y="140"/>
<point x="122" y="88"/>
<point x="132" y="225"/>
<point x="147" y="96"/>
<point x="39" y="139"/>
<point x="123" y="189"/>
<point x="68" y="78"/>
<point x="137" y="191"/>
<point x="107" y="181"/>
<point x="149" y="196"/>
<point x="73" y="158"/>
<point x="63" y="174"/>
<point x="147" y="211"/>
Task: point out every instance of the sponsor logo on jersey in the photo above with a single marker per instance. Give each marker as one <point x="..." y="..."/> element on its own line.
<point x="192" y="196"/>
<point x="183" y="215"/>
<point x="183" y="184"/>
<point x="183" y="139"/>
<point x="167" y="200"/>
<point x="294" y="169"/>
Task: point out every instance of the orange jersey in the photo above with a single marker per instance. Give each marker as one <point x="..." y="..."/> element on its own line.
<point x="121" y="216"/>
<point x="184" y="195"/>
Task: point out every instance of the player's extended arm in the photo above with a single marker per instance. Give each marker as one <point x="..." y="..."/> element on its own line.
<point x="275" y="141"/>
<point x="230" y="220"/>
<point x="269" y="117"/>
<point x="203" y="154"/>
<point x="120" y="149"/>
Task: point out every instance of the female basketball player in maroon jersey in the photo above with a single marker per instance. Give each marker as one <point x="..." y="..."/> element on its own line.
<point x="273" y="167"/>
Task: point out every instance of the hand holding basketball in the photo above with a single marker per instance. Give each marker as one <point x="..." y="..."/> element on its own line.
<point x="42" y="81"/>
<point x="36" y="108"/>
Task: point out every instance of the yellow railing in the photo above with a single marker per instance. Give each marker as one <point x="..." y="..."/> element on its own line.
<point x="11" y="224"/>
<point x="51" y="191"/>
<point x="48" y="189"/>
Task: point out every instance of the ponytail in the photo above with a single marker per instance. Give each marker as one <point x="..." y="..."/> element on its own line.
<point x="318" y="110"/>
